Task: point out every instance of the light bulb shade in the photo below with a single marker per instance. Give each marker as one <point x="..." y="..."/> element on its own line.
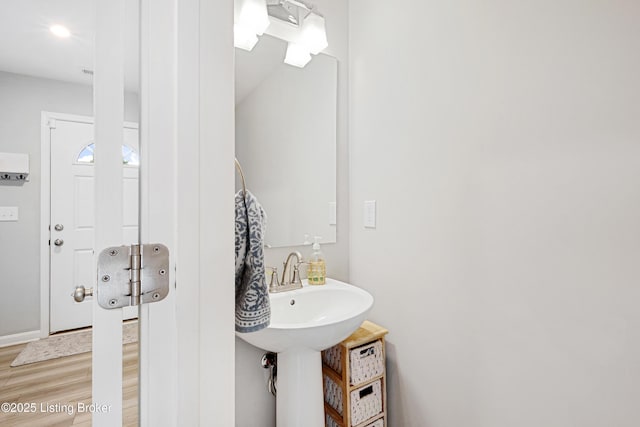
<point x="243" y="37"/>
<point x="254" y="16"/>
<point x="297" y="55"/>
<point x="313" y="34"/>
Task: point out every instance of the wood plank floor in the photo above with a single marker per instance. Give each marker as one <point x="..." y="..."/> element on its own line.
<point x="64" y="381"/>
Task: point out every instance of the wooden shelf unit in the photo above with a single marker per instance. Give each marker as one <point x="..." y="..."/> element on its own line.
<point x="368" y="333"/>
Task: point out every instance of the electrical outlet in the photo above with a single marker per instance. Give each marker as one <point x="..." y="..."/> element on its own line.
<point x="8" y="213"/>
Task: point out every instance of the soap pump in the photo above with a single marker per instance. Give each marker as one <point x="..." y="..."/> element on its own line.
<point x="317" y="272"/>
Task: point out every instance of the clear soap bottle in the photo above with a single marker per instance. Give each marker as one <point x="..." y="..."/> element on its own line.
<point x="317" y="272"/>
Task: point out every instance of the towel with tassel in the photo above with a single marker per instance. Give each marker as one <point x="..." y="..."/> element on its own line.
<point x="253" y="311"/>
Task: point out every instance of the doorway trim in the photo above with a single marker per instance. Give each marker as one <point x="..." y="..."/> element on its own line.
<point x="47" y="122"/>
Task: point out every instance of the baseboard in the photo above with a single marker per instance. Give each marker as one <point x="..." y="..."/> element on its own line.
<point x="7" y="340"/>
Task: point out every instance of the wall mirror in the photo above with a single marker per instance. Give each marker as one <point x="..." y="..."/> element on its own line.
<point x="286" y="140"/>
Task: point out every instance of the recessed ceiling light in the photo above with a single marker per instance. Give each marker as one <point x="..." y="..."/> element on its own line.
<point x="60" y="31"/>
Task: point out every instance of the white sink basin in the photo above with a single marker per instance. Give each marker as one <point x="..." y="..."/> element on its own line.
<point x="314" y="317"/>
<point x="303" y="323"/>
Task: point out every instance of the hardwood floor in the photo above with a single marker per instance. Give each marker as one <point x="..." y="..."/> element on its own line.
<point x="65" y="382"/>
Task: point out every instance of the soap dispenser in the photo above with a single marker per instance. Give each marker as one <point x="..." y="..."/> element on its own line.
<point x="317" y="272"/>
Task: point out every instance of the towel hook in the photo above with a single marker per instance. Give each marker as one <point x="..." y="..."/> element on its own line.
<point x="244" y="185"/>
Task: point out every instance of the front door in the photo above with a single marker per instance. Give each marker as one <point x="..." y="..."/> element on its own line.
<point x="73" y="219"/>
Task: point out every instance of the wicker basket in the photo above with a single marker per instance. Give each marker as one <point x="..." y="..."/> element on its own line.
<point x="377" y="423"/>
<point x="330" y="422"/>
<point x="367" y="362"/>
<point x="366" y="402"/>
<point x="333" y="394"/>
<point x="332" y="357"/>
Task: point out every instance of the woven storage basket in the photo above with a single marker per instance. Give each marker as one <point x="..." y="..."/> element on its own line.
<point x="332" y="394"/>
<point x="366" y="362"/>
<point x="376" y="423"/>
<point x="330" y="422"/>
<point x="332" y="357"/>
<point x="366" y="402"/>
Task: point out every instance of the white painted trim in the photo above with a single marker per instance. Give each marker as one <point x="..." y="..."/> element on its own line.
<point x="22" y="337"/>
<point x="76" y="118"/>
<point x="108" y="101"/>
<point x="159" y="367"/>
<point x="45" y="217"/>
<point x="216" y="151"/>
<point x="45" y="205"/>
<point x="188" y="275"/>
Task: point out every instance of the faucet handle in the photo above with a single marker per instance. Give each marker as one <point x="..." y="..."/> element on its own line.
<point x="273" y="282"/>
<point x="296" y="275"/>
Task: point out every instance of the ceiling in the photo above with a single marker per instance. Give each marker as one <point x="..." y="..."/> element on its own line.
<point x="27" y="46"/>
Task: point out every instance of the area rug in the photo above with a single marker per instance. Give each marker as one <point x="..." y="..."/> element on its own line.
<point x="67" y="344"/>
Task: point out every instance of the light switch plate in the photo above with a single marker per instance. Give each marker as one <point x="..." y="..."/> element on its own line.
<point x="332" y="213"/>
<point x="370" y="214"/>
<point x="8" y="213"/>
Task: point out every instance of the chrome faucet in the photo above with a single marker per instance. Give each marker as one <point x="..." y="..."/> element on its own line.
<point x="292" y="280"/>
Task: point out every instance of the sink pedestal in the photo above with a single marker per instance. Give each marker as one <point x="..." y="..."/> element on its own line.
<point x="303" y="322"/>
<point x="300" y="401"/>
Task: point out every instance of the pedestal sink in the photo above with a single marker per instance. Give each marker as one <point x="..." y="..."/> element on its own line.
<point x="303" y="323"/>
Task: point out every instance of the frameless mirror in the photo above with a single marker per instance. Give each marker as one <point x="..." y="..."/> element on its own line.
<point x="286" y="140"/>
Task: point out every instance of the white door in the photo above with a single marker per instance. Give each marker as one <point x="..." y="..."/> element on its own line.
<point x="72" y="216"/>
<point x="187" y="341"/>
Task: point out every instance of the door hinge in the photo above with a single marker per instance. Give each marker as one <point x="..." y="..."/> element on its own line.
<point x="132" y="275"/>
<point x="51" y="123"/>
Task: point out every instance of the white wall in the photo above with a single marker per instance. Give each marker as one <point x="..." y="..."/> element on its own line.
<point x="501" y="141"/>
<point x="22" y="99"/>
<point x="254" y="405"/>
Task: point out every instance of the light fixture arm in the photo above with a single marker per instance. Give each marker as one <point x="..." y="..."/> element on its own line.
<point x="308" y="9"/>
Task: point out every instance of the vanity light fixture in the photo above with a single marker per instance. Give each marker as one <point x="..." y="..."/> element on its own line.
<point x="311" y="40"/>
<point x="313" y="34"/>
<point x="286" y="10"/>
<point x="244" y="38"/>
<point x="60" y="31"/>
<point x="308" y="36"/>
<point x="252" y="21"/>
<point x="297" y="55"/>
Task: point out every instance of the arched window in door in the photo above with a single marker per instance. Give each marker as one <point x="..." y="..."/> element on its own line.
<point x="129" y="156"/>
